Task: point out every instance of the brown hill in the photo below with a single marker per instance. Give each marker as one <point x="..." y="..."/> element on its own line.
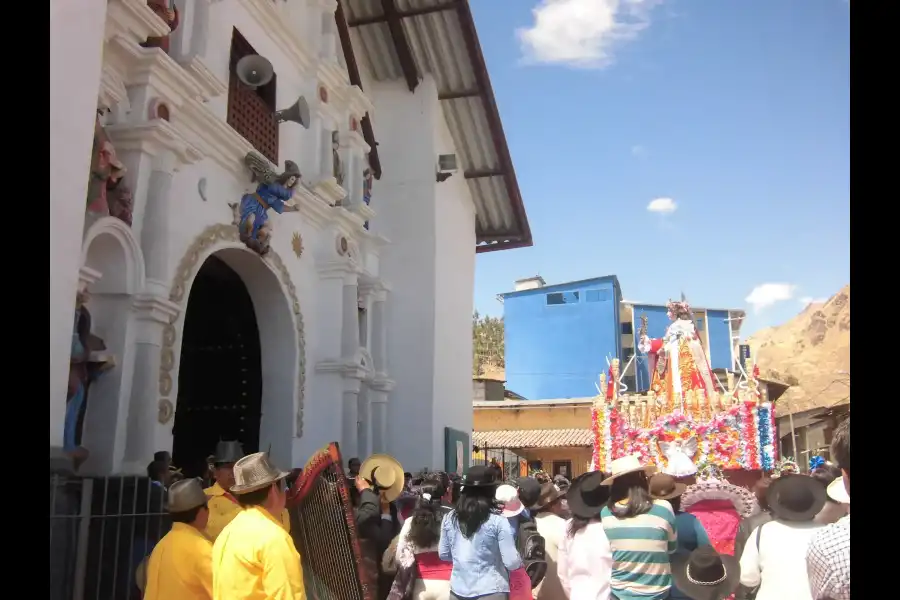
<point x="812" y="353"/>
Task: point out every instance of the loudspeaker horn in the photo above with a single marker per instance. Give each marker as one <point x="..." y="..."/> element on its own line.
<point x="298" y="113"/>
<point x="254" y="71"/>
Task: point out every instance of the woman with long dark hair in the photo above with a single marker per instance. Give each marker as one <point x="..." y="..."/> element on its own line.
<point x="478" y="541"/>
<point x="422" y="575"/>
<point x="584" y="558"/>
<point x="642" y="533"/>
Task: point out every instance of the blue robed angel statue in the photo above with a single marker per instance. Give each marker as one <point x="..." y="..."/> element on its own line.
<point x="273" y="191"/>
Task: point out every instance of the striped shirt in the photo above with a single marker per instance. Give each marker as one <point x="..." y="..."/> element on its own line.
<point x="641" y="547"/>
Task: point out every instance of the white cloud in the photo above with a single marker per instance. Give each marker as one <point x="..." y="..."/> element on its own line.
<point x="807" y="300"/>
<point x="582" y="33"/>
<point x="662" y="206"/>
<point x="638" y="151"/>
<point x="767" y="294"/>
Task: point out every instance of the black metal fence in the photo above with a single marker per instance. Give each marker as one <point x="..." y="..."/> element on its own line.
<point x="100" y="530"/>
<point x="513" y="465"/>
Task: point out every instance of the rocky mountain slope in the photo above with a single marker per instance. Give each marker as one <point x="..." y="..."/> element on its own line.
<point x="811" y="352"/>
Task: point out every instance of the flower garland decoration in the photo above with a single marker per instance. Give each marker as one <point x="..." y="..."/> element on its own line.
<point x="599" y="427"/>
<point x="772" y="429"/>
<point x="815" y="462"/>
<point x="766" y="441"/>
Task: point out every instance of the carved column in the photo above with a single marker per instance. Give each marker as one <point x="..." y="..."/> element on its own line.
<point x="150" y="420"/>
<point x="379" y="331"/>
<point x="379" y="390"/>
<point x="350" y="321"/>
<point x="156" y="223"/>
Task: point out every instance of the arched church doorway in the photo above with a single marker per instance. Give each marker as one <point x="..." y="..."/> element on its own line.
<point x="220" y="373"/>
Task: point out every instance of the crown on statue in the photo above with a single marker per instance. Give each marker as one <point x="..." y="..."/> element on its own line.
<point x="680" y="309"/>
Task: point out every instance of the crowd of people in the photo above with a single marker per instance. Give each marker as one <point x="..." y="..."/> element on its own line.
<point x="618" y="535"/>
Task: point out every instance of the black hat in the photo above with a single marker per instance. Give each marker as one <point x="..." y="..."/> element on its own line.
<point x="587" y="495"/>
<point x="529" y="491"/>
<point x="704" y="574"/>
<point x="796" y="497"/>
<point x="480" y="476"/>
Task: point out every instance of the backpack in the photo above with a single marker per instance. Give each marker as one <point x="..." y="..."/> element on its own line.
<point x="532" y="549"/>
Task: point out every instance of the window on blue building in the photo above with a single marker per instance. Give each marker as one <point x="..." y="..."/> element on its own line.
<point x="627" y="328"/>
<point x="596" y="295"/>
<point x="557" y="298"/>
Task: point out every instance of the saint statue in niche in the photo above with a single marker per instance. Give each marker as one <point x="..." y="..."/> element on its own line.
<point x="107" y="192"/>
<point x="88" y="360"/>
<point x="273" y="191"/>
<point x="337" y="165"/>
<point x="170" y="16"/>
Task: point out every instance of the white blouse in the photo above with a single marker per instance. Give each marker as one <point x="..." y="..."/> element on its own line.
<point x="584" y="563"/>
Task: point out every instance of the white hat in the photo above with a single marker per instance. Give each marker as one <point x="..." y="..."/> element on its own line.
<point x="837" y="491"/>
<point x="627" y="464"/>
<point x="508" y="496"/>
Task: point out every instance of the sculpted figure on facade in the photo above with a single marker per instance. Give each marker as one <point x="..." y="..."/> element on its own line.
<point x="107" y="192"/>
<point x="88" y="360"/>
<point x="273" y="191"/>
<point x="167" y="14"/>
<point x="337" y="168"/>
<point x="368" y="181"/>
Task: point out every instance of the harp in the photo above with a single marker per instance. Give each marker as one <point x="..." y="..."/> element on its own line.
<point x="323" y="527"/>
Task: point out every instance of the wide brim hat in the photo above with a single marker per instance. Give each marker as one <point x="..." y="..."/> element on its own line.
<point x="796" y="497"/>
<point x="664" y="487"/>
<point x="837" y="491"/>
<point x="479" y="476"/>
<point x="508" y="496"/>
<point x="228" y="452"/>
<point x="384" y="472"/>
<point x="549" y="494"/>
<point x="704" y="574"/>
<point x="625" y="465"/>
<point x="254" y="472"/>
<point x="588" y="495"/>
<point x="185" y="495"/>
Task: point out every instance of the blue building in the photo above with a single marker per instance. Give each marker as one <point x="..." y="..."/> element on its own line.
<point x="559" y="337"/>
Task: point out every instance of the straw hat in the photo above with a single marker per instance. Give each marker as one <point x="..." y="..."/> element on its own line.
<point x="254" y="472"/>
<point x="704" y="574"/>
<point x="625" y="465"/>
<point x="385" y="473"/>
<point x="837" y="491"/>
<point x="185" y="495"/>
<point x="228" y="452"/>
<point x="508" y="496"/>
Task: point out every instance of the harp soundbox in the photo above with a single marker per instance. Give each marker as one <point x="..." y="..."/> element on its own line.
<point x="323" y="527"/>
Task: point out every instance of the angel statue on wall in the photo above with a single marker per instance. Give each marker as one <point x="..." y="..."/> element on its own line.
<point x="273" y="191"/>
<point x="680" y="457"/>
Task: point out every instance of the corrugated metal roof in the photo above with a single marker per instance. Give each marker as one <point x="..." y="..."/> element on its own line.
<point x="533" y="438"/>
<point x="439" y="47"/>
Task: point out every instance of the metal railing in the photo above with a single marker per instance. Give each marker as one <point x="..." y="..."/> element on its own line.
<point x="509" y="461"/>
<point x="100" y="530"/>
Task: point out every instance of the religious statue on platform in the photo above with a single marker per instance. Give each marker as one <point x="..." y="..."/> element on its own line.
<point x="337" y="165"/>
<point x="88" y="360"/>
<point x="167" y="14"/>
<point x="273" y="191"/>
<point x="107" y="192"/>
<point x="679" y="456"/>
<point x="678" y="361"/>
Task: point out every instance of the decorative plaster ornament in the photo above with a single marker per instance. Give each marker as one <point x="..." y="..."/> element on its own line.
<point x="166" y="411"/>
<point x="201" y="188"/>
<point x="343" y="246"/>
<point x="297" y="244"/>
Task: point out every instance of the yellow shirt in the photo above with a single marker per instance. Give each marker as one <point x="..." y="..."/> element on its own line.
<point x="223" y="508"/>
<point x="254" y="558"/>
<point x="180" y="566"/>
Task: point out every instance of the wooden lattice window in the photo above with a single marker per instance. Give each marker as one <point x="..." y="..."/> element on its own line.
<point x="250" y="111"/>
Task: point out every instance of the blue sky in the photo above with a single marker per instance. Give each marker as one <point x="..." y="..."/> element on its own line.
<point x="733" y="112"/>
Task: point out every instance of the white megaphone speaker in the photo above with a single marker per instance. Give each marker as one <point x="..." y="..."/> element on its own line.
<point x="254" y="71"/>
<point x="298" y="113"/>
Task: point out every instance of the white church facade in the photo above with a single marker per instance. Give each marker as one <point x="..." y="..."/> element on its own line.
<point x="345" y="317"/>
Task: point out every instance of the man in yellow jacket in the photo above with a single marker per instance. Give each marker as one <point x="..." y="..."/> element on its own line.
<point x="223" y="506"/>
<point x="254" y="558"/>
<point x="180" y="565"/>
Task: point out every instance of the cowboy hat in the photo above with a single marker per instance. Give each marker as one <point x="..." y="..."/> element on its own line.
<point x="508" y="496"/>
<point x="796" y="497"/>
<point x="185" y="495"/>
<point x="588" y="495"/>
<point x="704" y="574"/>
<point x="479" y="476"/>
<point x="228" y="452"/>
<point x="625" y="465"/>
<point x="837" y="491"/>
<point x="254" y="472"/>
<point x="664" y="487"/>
<point x="385" y="473"/>
<point x="549" y="494"/>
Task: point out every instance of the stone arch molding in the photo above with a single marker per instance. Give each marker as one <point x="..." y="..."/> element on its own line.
<point x="212" y="240"/>
<point x="126" y="277"/>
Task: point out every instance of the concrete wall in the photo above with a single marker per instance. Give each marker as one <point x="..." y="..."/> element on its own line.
<point x="571" y="416"/>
